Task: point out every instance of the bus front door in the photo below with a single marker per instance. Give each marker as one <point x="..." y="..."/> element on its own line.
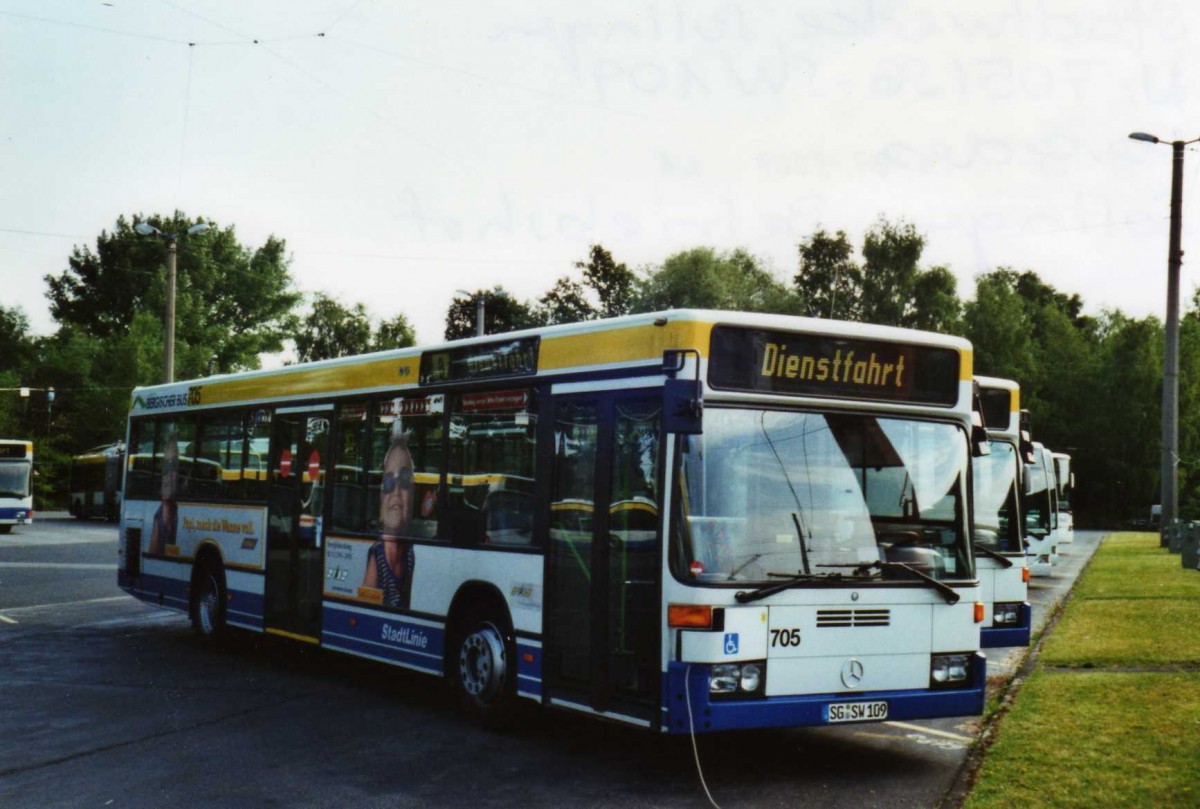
<point x="602" y="571"/>
<point x="294" y="554"/>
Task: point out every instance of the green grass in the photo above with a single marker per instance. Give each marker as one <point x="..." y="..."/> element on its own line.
<point x="1104" y="735"/>
<point x="1094" y="739"/>
<point x="1124" y="632"/>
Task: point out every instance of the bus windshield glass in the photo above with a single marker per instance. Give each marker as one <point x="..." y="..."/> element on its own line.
<point x="766" y="492"/>
<point x="14" y="479"/>
<point x="997" y="525"/>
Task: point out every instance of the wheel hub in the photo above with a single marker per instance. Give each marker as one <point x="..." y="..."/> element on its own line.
<point x="481" y="662"/>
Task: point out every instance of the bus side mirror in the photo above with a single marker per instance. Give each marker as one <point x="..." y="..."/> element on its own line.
<point x="1027" y="448"/>
<point x="979" y="441"/>
<point x="979" y="433"/>
<point x="683" y="407"/>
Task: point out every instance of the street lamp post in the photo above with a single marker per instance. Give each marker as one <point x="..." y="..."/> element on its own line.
<point x="172" y="240"/>
<point x="1170" y="394"/>
<point x="478" y="299"/>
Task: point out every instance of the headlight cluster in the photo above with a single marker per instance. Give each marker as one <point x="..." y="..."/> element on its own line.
<point x="737" y="679"/>
<point x="949" y="670"/>
<point x="1005" y="614"/>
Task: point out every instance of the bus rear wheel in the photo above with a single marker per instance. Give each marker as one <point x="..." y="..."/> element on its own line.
<point x="484" y="674"/>
<point x="208" y="601"/>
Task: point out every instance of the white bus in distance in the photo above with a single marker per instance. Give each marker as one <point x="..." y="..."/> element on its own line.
<point x="998" y="530"/>
<point x="1039" y="508"/>
<point x="687" y="521"/>
<point x="1066" y="482"/>
<point x="16" y="483"/>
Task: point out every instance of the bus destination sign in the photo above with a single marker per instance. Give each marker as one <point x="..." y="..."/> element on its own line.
<point x="11" y="451"/>
<point x="997" y="407"/>
<point x="829" y="366"/>
<point x="500" y="359"/>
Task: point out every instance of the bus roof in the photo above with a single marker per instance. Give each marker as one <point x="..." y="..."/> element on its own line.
<point x="591" y="346"/>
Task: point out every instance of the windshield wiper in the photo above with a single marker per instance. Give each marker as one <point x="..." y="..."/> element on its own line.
<point x="790" y="581"/>
<point x="946" y="591"/>
<point x="991" y="554"/>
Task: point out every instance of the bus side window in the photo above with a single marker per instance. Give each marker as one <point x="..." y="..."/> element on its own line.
<point x="257" y="445"/>
<point x="350" y="469"/>
<point x="493" y="442"/>
<point x="140" y="473"/>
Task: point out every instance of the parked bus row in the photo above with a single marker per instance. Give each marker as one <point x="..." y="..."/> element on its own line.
<point x="687" y="521"/>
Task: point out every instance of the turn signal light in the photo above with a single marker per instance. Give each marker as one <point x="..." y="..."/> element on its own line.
<point x="979" y="612"/>
<point x="1025" y="574"/>
<point x="691" y="616"/>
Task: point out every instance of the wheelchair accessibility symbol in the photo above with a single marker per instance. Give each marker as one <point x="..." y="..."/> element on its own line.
<point x="731" y="643"/>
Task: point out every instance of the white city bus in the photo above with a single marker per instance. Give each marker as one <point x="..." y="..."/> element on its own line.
<point x="1040" y="511"/>
<point x="16" y="483"/>
<point x="998" y="530"/>
<point x="689" y="521"/>
<point x="1066" y="481"/>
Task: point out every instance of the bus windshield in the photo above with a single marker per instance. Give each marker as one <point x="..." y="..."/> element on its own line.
<point x="857" y="489"/>
<point x="14" y="479"/>
<point x="997" y="525"/>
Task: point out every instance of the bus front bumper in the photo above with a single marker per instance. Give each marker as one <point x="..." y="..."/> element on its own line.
<point x="807" y="710"/>
<point x="1018" y="634"/>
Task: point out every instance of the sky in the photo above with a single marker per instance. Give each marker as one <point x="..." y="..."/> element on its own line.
<point x="406" y="151"/>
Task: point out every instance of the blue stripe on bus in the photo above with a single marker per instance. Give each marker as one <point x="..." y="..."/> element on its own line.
<point x="243" y="608"/>
<point x="807" y="709"/>
<point x="992" y="637"/>
<point x="11" y="513"/>
<point x="384" y="637"/>
<point x="392" y="639"/>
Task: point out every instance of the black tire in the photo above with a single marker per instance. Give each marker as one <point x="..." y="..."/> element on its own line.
<point x="208" y="600"/>
<point x="484" y="670"/>
<point x="4" y="529"/>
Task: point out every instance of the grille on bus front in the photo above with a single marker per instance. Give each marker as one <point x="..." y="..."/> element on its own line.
<point x="851" y="618"/>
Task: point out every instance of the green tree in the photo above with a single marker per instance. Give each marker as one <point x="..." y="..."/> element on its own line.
<point x="565" y="302"/>
<point x="891" y="253"/>
<point x="394" y="333"/>
<point x="829" y="282"/>
<point x="331" y="329"/>
<point x="701" y="278"/>
<point x="232" y="302"/>
<point x="501" y="313"/>
<point x="934" y="303"/>
<point x="615" y="284"/>
<point x="998" y="327"/>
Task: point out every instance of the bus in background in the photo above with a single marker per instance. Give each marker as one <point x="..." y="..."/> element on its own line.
<point x="998" y="531"/>
<point x="1039" y="509"/>
<point x="1066" y="482"/>
<point x="686" y="521"/>
<point x="96" y="480"/>
<point x="1052" y="481"/>
<point x="16" y="483"/>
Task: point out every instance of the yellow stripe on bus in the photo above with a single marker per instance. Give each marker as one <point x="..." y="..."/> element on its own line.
<point x="293" y="636"/>
<point x="634" y="344"/>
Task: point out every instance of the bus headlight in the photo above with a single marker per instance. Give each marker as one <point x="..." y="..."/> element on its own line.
<point x="737" y="680"/>
<point x="949" y="670"/>
<point x="1004" y="614"/>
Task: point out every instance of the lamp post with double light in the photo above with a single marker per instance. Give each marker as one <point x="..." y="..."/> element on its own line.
<point x="1170" y="394"/>
<point x="172" y="240"/>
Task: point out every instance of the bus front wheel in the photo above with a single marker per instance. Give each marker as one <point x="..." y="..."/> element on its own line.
<point x="485" y="674"/>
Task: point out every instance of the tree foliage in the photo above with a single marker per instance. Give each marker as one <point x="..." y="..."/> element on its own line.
<point x="501" y="313"/>
<point x="829" y="282"/>
<point x="232" y="302"/>
<point x="702" y="278"/>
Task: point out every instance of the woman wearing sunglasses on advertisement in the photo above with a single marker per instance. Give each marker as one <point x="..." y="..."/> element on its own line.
<point x="390" y="560"/>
